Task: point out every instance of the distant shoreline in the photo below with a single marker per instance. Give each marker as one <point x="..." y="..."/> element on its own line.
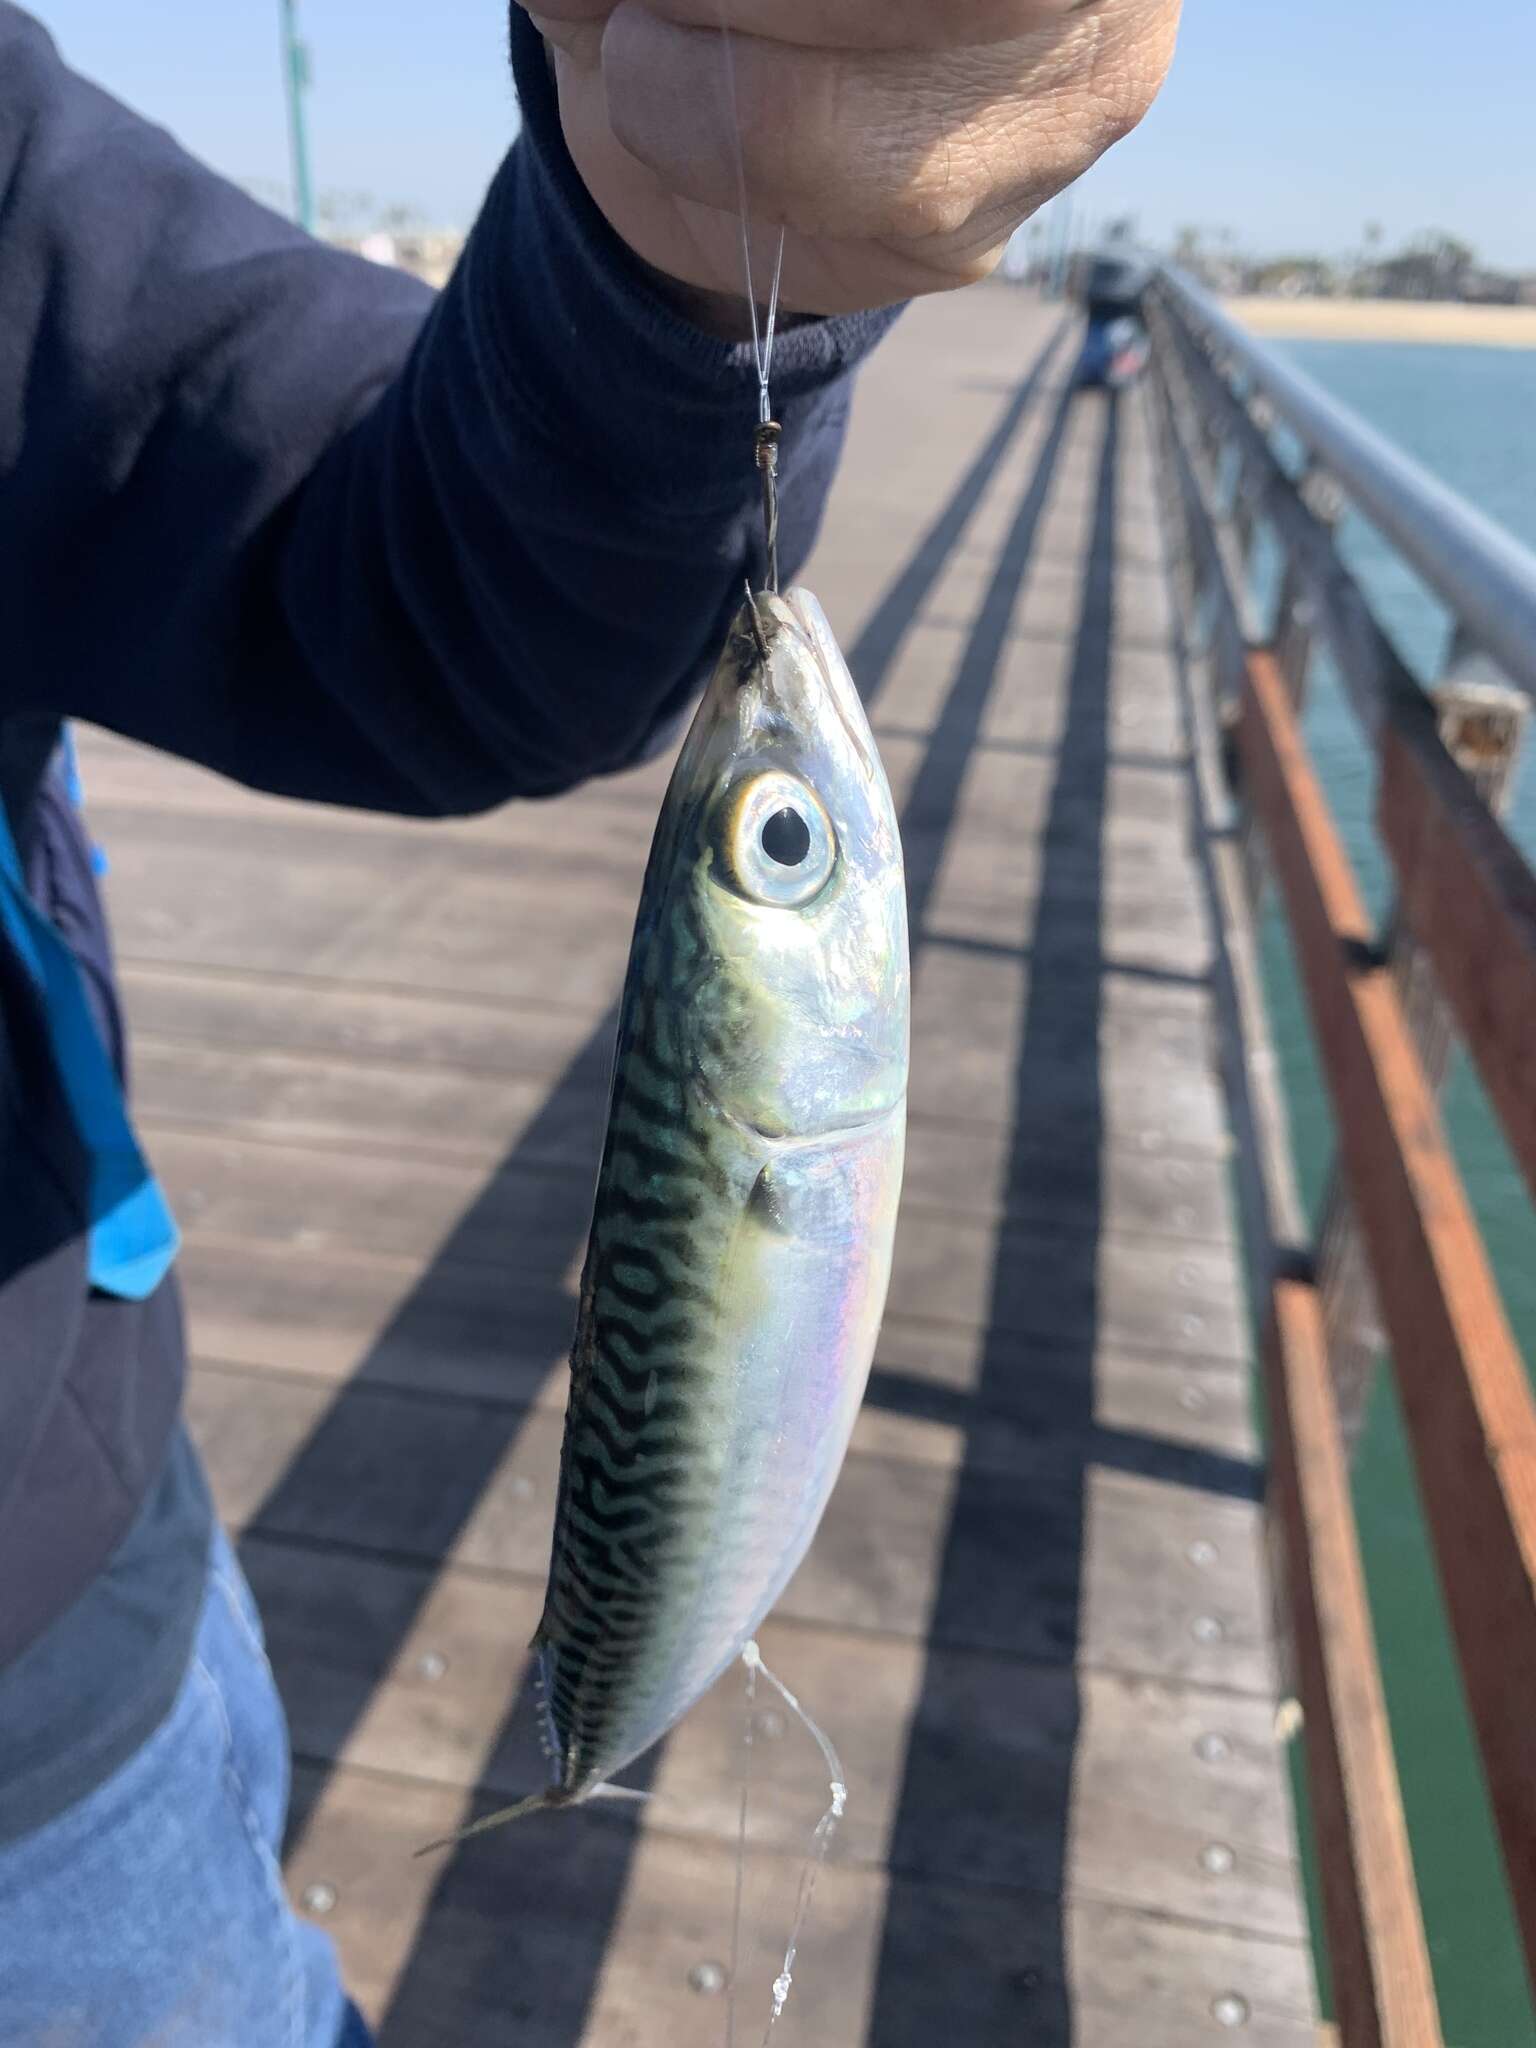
<point x="1388" y="320"/>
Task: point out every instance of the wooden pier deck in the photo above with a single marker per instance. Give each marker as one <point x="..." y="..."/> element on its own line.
<point x="370" y="1059"/>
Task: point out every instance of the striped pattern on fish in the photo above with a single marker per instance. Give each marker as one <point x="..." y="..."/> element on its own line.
<point x="745" y="1207"/>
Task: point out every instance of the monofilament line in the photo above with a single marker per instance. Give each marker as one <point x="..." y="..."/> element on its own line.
<point x="821" y="1840"/>
<point x="741" y="1851"/>
<point x="763" y="332"/>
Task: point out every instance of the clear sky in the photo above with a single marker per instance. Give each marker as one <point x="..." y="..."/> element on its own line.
<point x="1296" y="121"/>
<point x="1292" y="122"/>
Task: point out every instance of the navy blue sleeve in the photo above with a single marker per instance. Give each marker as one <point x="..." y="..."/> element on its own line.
<point x="291" y="515"/>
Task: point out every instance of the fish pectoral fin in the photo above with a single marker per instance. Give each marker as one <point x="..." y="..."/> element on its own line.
<point x="539" y="1803"/>
<point x="766" y="1204"/>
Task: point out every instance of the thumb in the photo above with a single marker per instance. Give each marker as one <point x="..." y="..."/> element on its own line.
<point x="575" y="26"/>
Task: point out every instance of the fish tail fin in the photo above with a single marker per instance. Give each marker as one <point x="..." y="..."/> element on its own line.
<point x="539" y="1803"/>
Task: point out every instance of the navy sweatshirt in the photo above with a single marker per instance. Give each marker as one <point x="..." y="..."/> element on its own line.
<point x="288" y="514"/>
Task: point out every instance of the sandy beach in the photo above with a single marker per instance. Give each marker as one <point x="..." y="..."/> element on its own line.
<point x="1388" y="320"/>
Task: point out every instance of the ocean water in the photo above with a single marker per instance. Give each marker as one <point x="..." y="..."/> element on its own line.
<point x="1468" y="414"/>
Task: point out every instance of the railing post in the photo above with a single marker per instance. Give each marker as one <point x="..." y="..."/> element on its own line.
<point x="1292" y="636"/>
<point x="1245" y="502"/>
<point x="1466" y="911"/>
<point x="1295" y="626"/>
<point x="1482" y="723"/>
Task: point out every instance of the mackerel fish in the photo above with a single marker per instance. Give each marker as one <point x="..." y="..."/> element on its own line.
<point x="741" y="1239"/>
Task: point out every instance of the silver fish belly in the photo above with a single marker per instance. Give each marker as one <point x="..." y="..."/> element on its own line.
<point x="741" y="1240"/>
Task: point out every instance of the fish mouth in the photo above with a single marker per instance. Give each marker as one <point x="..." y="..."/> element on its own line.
<point x="798" y="613"/>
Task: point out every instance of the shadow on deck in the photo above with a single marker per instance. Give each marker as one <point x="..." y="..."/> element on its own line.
<point x="1035" y="1618"/>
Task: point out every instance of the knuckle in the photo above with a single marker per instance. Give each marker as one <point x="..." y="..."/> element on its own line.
<point x="937" y="204"/>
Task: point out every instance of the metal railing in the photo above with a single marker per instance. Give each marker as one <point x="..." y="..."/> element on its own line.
<point x="1484" y="577"/>
<point x="1398" y="1259"/>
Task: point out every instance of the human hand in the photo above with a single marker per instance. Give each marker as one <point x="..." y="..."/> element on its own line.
<point x="900" y="142"/>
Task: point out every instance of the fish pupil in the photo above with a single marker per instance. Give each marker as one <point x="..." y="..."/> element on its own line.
<point x="786" y="838"/>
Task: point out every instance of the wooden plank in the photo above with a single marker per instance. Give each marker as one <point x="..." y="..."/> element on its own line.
<point x="1141" y="1405"/>
<point x="1140" y="1160"/>
<point x="1135" y="807"/>
<point x="436" y="914"/>
<point x="970" y="1014"/>
<point x="1051" y="598"/>
<point x="150" y="802"/>
<point x="1469" y="896"/>
<point x="440" y="1660"/>
<point x="968" y="1556"/>
<point x="600" y="847"/>
<point x="1143" y="715"/>
<point x="571" y="1931"/>
<point x="193" y="1098"/>
<point x="439" y="932"/>
<point x="1134" y="1147"/>
<point x="530" y="1224"/>
<point x="1135" y="933"/>
<point x="1121" y="806"/>
<point x="1069" y="1288"/>
<point x="1151" y="1175"/>
<point x="1152" y="1040"/>
<point x="129" y="786"/>
<point x="258" y="1306"/>
<point x="995" y="867"/>
<point x="1465" y="1395"/>
<point x="1028" y="699"/>
<point x="1383" y="1991"/>
<point x="261" y="1305"/>
<point x="216" y="1011"/>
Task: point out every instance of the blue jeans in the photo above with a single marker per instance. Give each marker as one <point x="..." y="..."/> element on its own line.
<point x="152" y="1914"/>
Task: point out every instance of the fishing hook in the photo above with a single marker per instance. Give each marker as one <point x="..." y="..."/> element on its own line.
<point x="756" y="623"/>
<point x="766" y="446"/>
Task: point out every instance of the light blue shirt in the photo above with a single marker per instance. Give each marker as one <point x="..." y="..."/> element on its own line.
<point x="133" y="1236"/>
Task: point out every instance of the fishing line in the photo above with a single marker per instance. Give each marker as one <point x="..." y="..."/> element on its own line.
<point x="741" y="1854"/>
<point x="766" y="453"/>
<point x="763" y="334"/>
<point x="764" y="331"/>
<point x="816" y="1855"/>
<point x="821" y="1840"/>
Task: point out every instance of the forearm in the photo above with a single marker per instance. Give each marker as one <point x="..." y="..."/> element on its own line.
<point x="269" y="507"/>
<point x="589" y="451"/>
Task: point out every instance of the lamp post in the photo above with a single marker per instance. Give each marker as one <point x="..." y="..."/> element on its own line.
<point x="295" y="85"/>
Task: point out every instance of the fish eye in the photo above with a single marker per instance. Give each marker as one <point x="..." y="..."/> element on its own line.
<point x="786" y="838"/>
<point x="777" y="844"/>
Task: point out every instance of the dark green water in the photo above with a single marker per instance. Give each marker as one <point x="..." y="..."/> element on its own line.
<point x="1469" y="415"/>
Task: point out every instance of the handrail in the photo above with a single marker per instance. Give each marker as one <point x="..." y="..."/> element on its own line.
<point x="1399" y="1251"/>
<point x="1483" y="574"/>
<point x="1378" y="1957"/>
<point x="1469" y="1411"/>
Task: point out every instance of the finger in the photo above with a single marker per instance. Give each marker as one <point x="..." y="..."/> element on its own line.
<point x="575" y="26"/>
<point x="845" y="24"/>
<point x="568" y="10"/>
<point x="894" y="145"/>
